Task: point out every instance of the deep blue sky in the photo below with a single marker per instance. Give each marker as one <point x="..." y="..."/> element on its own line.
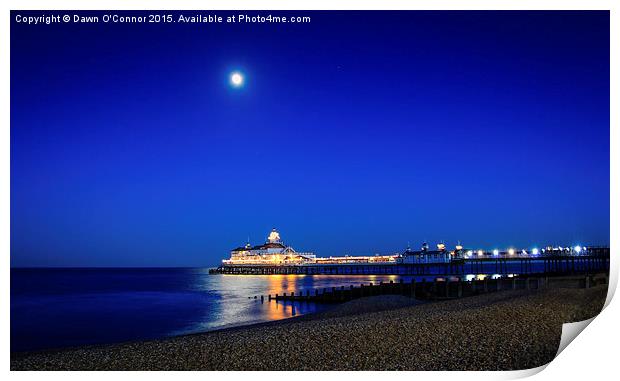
<point x="355" y="133"/>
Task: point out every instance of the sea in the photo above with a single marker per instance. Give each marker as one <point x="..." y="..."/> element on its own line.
<point x="54" y="308"/>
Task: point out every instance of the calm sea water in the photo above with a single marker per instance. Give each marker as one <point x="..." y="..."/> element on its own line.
<point x="55" y="308"/>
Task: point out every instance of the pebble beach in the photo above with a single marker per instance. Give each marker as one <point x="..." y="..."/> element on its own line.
<point x="506" y="330"/>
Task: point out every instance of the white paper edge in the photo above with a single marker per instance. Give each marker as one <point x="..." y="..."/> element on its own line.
<point x="570" y="331"/>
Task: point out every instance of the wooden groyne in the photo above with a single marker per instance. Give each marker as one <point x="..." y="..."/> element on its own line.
<point x="439" y="289"/>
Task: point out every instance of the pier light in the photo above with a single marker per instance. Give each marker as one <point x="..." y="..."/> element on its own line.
<point x="523" y="252"/>
<point x="577" y="249"/>
<point x="535" y="251"/>
<point x="495" y="252"/>
<point x="511" y="251"/>
<point x="469" y="253"/>
<point x="480" y="252"/>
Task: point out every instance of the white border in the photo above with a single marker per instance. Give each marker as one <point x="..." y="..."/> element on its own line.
<point x="591" y="356"/>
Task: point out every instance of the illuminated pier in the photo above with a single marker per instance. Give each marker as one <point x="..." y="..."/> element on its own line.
<point x="274" y="257"/>
<point x="502" y="266"/>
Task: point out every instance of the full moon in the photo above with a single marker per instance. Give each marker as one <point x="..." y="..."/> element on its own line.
<point x="236" y="79"/>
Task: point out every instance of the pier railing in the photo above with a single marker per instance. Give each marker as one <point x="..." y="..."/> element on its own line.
<point x="552" y="265"/>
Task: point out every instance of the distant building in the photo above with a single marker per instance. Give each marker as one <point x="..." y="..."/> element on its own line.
<point x="425" y="255"/>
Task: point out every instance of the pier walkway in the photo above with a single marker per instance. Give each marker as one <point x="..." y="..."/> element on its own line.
<point x="552" y="265"/>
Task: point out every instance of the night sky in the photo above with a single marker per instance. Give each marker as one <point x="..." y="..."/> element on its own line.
<point x="355" y="133"/>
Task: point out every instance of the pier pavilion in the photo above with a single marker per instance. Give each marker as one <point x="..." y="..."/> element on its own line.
<point x="273" y="252"/>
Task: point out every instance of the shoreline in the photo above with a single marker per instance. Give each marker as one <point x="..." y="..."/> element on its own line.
<point x="505" y="330"/>
<point x="401" y="302"/>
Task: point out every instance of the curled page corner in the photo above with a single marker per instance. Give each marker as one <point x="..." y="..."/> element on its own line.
<point x="611" y="288"/>
<point x="524" y="373"/>
<point x="570" y="331"/>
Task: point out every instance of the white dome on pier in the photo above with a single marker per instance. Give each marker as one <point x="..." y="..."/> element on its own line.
<point x="274" y="237"/>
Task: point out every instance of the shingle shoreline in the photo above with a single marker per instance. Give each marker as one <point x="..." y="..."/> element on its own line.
<point x="499" y="331"/>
